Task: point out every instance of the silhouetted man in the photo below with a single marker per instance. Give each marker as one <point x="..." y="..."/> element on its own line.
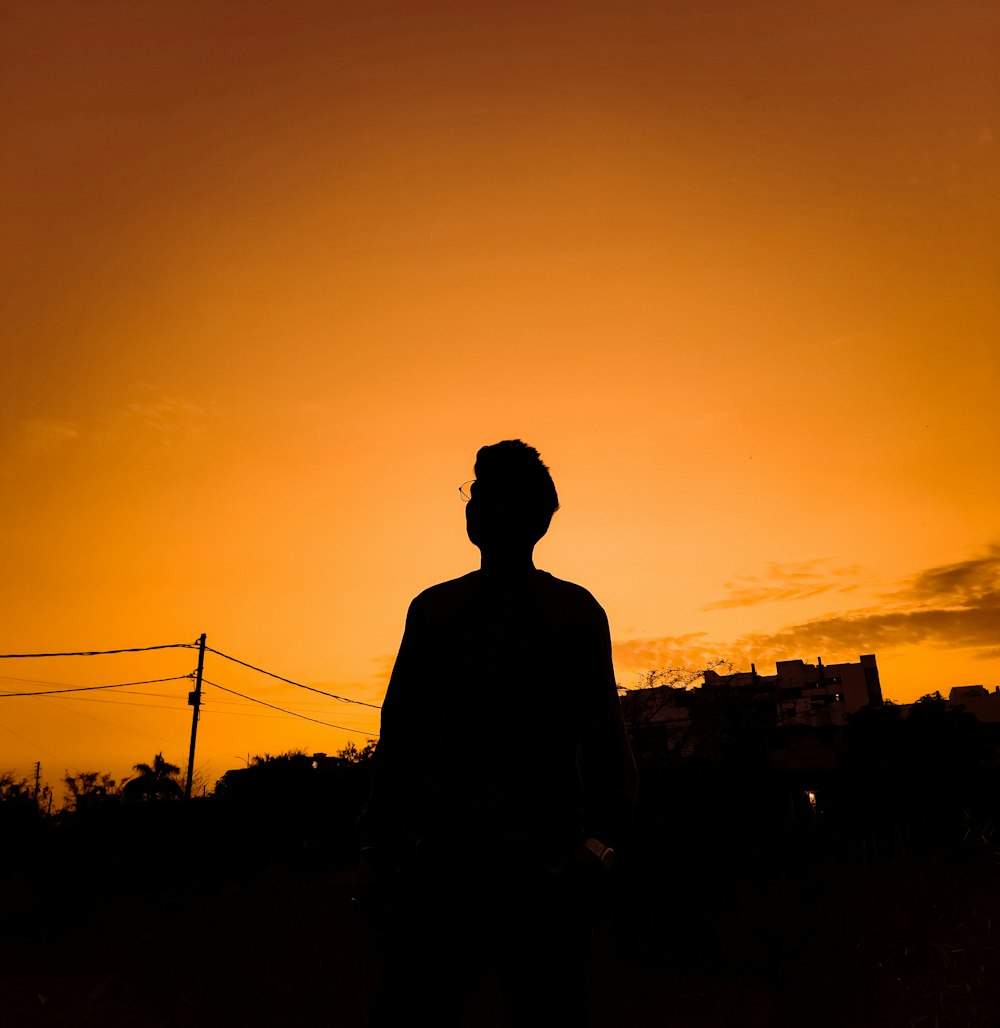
<point x="503" y="776"/>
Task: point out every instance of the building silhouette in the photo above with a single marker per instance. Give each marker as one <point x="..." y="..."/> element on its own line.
<point x="978" y="700"/>
<point x="811" y="694"/>
<point x="797" y="694"/>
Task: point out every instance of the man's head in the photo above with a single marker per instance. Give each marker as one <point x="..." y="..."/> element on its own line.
<point x="513" y="497"/>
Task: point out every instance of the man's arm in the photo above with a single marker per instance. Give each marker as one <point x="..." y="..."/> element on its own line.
<point x="387" y="821"/>
<point x="607" y="766"/>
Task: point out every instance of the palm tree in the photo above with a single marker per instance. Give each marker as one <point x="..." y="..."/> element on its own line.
<point x="155" y="782"/>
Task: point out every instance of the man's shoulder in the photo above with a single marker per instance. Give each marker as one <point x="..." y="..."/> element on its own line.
<point x="555" y="593"/>
<point x="444" y="594"/>
<point x="571" y="595"/>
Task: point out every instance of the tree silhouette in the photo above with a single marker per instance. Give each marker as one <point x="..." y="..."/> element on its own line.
<point x="156" y="781"/>
<point x="17" y="793"/>
<point x="353" y="755"/>
<point x="88" y="789"/>
<point x="660" y="711"/>
<point x="13" y="790"/>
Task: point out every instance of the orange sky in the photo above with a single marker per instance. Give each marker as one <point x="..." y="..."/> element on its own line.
<point x="272" y="273"/>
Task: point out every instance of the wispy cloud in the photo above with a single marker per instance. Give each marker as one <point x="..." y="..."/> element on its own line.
<point x="157" y="422"/>
<point x="951" y="605"/>
<point x="42" y="435"/>
<point x="383" y="668"/>
<point x="787" y="581"/>
<point x="693" y="650"/>
<point x="168" y="419"/>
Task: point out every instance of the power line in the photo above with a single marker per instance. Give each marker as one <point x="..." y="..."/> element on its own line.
<point x="48" y="753"/>
<point x="170" y="646"/>
<point x="113" y="724"/>
<point x="128" y="703"/>
<point x="99" y="653"/>
<point x="39" y="681"/>
<point x="284" y="710"/>
<point x="299" y="685"/>
<point x="240" y="703"/>
<point x="30" y="681"/>
<point x="91" y="688"/>
<point x="240" y="713"/>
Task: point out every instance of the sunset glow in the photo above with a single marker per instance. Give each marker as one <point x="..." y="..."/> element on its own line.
<point x="273" y="273"/>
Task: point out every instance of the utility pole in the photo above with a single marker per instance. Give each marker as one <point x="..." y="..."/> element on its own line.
<point x="38" y="775"/>
<point x="194" y="699"/>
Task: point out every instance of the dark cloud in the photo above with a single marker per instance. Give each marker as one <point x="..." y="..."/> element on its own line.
<point x="964" y="582"/>
<point x="950" y="606"/>
<point x="973" y="626"/>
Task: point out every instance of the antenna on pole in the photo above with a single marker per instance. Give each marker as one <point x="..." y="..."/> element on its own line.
<point x="194" y="699"/>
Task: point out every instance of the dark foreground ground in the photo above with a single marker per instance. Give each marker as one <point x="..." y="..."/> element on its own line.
<point x="907" y="943"/>
<point x="780" y="879"/>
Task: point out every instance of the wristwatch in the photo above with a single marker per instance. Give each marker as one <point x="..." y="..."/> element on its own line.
<point x="605" y="854"/>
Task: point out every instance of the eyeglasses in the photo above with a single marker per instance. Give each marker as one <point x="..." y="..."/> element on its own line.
<point x="465" y="490"/>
